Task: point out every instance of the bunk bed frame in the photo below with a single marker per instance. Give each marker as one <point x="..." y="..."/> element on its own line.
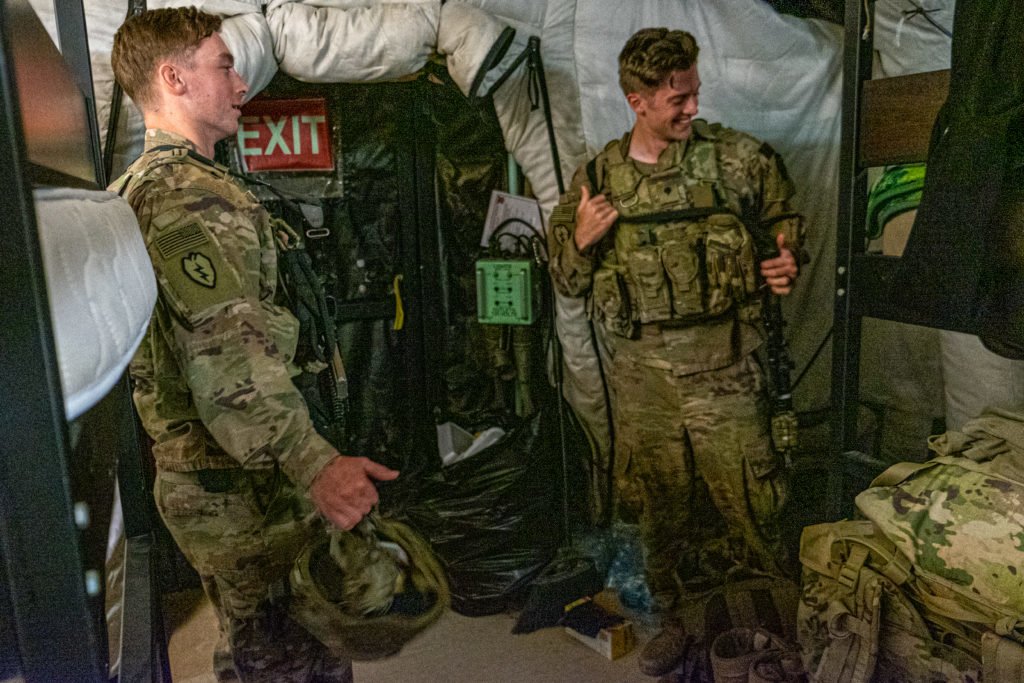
<point x="885" y="121"/>
<point x="59" y="477"/>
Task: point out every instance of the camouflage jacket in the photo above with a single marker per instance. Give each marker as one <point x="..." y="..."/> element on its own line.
<point x="753" y="182"/>
<point x="212" y="377"/>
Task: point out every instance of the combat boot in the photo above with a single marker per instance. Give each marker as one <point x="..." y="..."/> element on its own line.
<point x="664" y="651"/>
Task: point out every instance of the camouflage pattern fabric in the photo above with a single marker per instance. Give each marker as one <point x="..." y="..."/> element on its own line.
<point x="942" y="550"/>
<point x="718" y="166"/>
<point x="329" y="590"/>
<point x="235" y="448"/>
<point x="694" y="459"/>
<point x="213" y="375"/>
<point x="693" y="453"/>
<point x="861" y="616"/>
<point x="960" y="517"/>
<point x="242" y="531"/>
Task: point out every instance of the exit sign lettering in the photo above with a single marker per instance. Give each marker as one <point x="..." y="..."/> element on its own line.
<point x="285" y="135"/>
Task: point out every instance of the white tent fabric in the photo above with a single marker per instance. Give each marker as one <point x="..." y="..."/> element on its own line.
<point x="352" y="41"/>
<point x="466" y="37"/>
<point x="906" y="42"/>
<point x="976" y="379"/>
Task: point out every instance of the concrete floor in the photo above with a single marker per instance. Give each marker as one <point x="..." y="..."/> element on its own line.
<point x="456" y="649"/>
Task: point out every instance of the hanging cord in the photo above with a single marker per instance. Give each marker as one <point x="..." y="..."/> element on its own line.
<point x="534" y="247"/>
<point x="869" y="17"/>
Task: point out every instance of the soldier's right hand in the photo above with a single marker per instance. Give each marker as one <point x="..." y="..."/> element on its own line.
<point x="343" y="491"/>
<point x="594" y="218"/>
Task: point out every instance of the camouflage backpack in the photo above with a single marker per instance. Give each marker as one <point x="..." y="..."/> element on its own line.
<point x="930" y="587"/>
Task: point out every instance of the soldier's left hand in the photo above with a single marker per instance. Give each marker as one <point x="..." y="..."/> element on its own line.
<point x="780" y="272"/>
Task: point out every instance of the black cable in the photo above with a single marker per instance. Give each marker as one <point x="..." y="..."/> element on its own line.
<point x="508" y="221"/>
<point x="921" y="11"/>
<point x="525" y="247"/>
<point x="814" y="357"/>
<point x="503" y="231"/>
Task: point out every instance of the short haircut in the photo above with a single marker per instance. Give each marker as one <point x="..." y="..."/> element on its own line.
<point x="651" y="55"/>
<point x="144" y="40"/>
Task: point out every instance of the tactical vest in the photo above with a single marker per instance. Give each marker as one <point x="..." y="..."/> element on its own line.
<point x="680" y="254"/>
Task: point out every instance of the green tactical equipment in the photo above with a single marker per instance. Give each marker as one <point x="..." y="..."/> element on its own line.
<point x="928" y="587"/>
<point x="366" y="593"/>
<point x="898" y="190"/>
<point x="507" y="291"/>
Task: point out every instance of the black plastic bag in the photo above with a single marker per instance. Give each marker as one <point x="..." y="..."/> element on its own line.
<point x="493" y="518"/>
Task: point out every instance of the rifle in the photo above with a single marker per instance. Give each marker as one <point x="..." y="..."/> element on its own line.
<point x="784" y="420"/>
<point x="318" y="353"/>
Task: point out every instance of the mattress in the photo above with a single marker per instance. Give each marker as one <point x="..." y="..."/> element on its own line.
<point x="100" y="286"/>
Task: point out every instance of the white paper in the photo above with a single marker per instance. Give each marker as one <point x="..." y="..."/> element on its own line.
<point x="504" y="206"/>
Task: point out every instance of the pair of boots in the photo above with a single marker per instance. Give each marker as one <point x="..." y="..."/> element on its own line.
<point x="739" y="655"/>
<point x="743" y="655"/>
<point x="666" y="650"/>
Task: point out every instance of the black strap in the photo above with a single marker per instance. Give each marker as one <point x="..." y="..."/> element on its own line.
<point x="595" y="187"/>
<point x="690" y="214"/>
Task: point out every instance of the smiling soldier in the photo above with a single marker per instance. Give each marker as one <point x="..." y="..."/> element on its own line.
<point x="669" y="234"/>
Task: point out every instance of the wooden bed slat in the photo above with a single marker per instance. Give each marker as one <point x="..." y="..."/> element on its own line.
<point x="897" y="115"/>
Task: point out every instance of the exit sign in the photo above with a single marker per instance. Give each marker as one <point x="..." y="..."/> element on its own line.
<point x="285" y="135"/>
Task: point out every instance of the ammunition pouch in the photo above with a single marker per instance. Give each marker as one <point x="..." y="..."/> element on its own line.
<point x="697" y="265"/>
<point x="679" y="253"/>
<point x="609" y="303"/>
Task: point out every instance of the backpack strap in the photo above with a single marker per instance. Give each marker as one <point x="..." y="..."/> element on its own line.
<point x="899" y="472"/>
<point x="1002" y="659"/>
<point x="595" y="187"/>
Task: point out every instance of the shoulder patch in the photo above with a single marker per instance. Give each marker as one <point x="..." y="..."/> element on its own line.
<point x="564" y="213"/>
<point x="181" y="239"/>
<point x="193" y="273"/>
<point x="200" y="269"/>
<point x="766" y="150"/>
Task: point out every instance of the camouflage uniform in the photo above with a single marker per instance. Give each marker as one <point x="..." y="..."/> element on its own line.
<point x="234" y="445"/>
<point x="681" y="324"/>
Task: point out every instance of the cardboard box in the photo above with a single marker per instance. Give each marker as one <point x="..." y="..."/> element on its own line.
<point x="612" y="642"/>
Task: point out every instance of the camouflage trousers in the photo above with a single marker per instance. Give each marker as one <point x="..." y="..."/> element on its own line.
<point x="694" y="462"/>
<point x="242" y="530"/>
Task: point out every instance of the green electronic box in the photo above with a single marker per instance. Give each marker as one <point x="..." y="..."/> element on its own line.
<point x="507" y="291"/>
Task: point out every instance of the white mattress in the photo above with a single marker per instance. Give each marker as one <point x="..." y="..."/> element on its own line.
<point x="100" y="285"/>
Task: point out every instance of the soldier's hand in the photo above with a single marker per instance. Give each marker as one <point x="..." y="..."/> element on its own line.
<point x="594" y="218"/>
<point x="343" y="491"/>
<point x="780" y="272"/>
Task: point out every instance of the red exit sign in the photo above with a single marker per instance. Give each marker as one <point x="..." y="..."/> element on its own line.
<point x="285" y="135"/>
